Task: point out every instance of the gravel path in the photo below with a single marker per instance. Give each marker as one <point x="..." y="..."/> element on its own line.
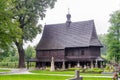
<point x="17" y="71"/>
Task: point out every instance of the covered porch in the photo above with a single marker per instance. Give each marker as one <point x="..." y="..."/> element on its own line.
<point x="68" y="63"/>
<point x="89" y="62"/>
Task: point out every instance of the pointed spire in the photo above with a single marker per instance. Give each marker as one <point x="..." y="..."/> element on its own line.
<point x="68" y="18"/>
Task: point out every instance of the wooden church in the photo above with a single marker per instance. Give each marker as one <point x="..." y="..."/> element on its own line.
<point x="70" y="43"/>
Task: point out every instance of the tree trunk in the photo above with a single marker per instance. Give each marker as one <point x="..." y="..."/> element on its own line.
<point x="21" y="55"/>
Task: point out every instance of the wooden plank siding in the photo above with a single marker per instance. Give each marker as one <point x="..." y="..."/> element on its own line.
<point x="94" y="51"/>
<point x="68" y="53"/>
<point x="46" y="55"/>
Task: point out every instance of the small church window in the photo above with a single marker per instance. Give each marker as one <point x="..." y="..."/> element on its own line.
<point x="82" y="52"/>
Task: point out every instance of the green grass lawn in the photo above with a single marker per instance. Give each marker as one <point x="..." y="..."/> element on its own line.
<point x="47" y="75"/>
<point x="68" y="72"/>
<point x="4" y="70"/>
<point x="42" y="77"/>
<point x="32" y="77"/>
<point x="52" y="72"/>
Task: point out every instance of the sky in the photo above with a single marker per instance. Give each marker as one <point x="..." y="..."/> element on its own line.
<point x="81" y="10"/>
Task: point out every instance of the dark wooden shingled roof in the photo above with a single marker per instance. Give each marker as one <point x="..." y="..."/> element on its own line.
<point x="60" y="36"/>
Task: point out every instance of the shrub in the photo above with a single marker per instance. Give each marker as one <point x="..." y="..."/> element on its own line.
<point x="94" y="70"/>
<point x="88" y="70"/>
<point x="109" y="68"/>
<point x="47" y="69"/>
<point x="8" y="64"/>
<point x="73" y="69"/>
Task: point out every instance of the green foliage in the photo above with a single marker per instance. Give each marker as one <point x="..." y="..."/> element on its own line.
<point x="27" y="14"/>
<point x="109" y="68"/>
<point x="88" y="70"/>
<point x="103" y="40"/>
<point x="9" y="30"/>
<point x="18" y="22"/>
<point x="113" y="37"/>
<point x="30" y="52"/>
<point x="8" y="64"/>
<point x="73" y="69"/>
<point x="94" y="70"/>
<point x="9" y="55"/>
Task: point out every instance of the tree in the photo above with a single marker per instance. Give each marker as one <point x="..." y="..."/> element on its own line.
<point x="102" y="38"/>
<point x="27" y="13"/>
<point x="9" y="55"/>
<point x="7" y="26"/>
<point x="113" y="37"/>
<point x="29" y="52"/>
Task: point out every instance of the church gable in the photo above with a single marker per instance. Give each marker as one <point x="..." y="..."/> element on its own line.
<point x="94" y="41"/>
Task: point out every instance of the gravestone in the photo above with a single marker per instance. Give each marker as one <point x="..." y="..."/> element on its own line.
<point x="78" y="64"/>
<point x="63" y="66"/>
<point x="52" y="65"/>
